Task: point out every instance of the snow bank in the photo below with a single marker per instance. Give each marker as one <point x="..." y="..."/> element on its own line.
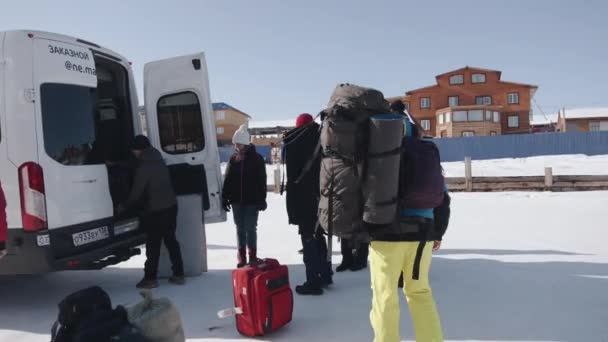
<point x="533" y="166"/>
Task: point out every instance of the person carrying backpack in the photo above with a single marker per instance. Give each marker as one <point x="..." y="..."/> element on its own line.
<point x="303" y="167"/>
<point x="3" y="223"/>
<point x="406" y="246"/>
<point x="244" y="192"/>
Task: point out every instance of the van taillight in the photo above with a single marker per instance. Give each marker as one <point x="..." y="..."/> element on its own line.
<point x="33" y="201"/>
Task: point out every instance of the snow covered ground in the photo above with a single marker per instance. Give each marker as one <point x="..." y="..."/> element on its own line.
<point x="533" y="166"/>
<point x="514" y="267"/>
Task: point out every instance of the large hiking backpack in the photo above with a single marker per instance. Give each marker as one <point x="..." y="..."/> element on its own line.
<point x="422" y="184"/>
<point x="76" y="307"/>
<point x="353" y="148"/>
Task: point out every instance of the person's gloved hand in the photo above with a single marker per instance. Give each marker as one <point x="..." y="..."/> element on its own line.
<point x="226" y="205"/>
<point x="120" y="209"/>
<point x="263" y="206"/>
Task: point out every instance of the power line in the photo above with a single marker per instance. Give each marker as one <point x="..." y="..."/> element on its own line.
<point x="541" y="110"/>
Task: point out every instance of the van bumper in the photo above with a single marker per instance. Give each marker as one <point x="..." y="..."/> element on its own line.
<point x="27" y="255"/>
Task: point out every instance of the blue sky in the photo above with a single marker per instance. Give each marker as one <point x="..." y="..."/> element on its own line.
<point x="276" y="59"/>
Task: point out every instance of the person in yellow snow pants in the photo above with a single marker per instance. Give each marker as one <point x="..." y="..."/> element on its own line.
<point x="387" y="260"/>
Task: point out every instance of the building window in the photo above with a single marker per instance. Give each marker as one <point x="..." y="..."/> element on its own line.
<point x="488" y="115"/>
<point x="220" y="130"/>
<point x="492" y="133"/>
<point x="483" y="100"/>
<point x="426" y="124"/>
<point x="460" y="116"/>
<point x="448" y="117"/>
<point x="452" y="101"/>
<point x="468" y="133"/>
<point x="478" y="78"/>
<point x="440" y="119"/>
<point x="496" y="117"/>
<point x="513" y="98"/>
<point x="457" y="79"/>
<point x="513" y="121"/>
<point x="220" y="115"/>
<point x="476" y="115"/>
<point x="425" y="102"/>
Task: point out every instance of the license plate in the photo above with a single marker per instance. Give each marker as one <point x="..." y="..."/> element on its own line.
<point x="91" y="235"/>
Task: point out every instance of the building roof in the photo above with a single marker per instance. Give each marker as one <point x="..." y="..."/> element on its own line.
<point x="273" y="124"/>
<point x="471" y="68"/>
<point x="543" y="120"/>
<point x="410" y="92"/>
<point x="225" y="106"/>
<point x="586" y="113"/>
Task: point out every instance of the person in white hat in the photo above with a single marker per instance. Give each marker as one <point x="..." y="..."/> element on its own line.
<point x="244" y="193"/>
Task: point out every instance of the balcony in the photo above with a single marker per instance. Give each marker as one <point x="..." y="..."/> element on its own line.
<point x="468" y="121"/>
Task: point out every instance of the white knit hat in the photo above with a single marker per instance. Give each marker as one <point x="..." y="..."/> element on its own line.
<point x="241" y="136"/>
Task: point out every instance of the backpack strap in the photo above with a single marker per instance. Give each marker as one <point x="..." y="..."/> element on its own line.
<point x="309" y="163"/>
<point x="384" y="154"/>
<point x="419" y="251"/>
<point x="424" y="230"/>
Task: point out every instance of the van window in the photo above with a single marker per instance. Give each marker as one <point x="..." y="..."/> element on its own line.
<point x="180" y="123"/>
<point x="68" y="122"/>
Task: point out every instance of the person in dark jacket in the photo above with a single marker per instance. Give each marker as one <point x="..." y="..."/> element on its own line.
<point x="303" y="168"/>
<point x="153" y="186"/>
<point x="244" y="192"/>
<point x="3" y="223"/>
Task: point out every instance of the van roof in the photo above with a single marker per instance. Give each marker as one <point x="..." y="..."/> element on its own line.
<point x="67" y="39"/>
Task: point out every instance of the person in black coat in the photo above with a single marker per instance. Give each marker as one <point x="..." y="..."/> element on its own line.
<point x="303" y="169"/>
<point x="244" y="192"/>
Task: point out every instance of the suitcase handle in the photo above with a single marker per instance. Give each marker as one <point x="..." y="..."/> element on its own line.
<point x="267" y="264"/>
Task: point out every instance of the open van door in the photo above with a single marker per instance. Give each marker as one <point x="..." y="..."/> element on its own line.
<point x="181" y="125"/>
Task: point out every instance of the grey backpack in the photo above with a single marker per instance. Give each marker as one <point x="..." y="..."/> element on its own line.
<point x="358" y="141"/>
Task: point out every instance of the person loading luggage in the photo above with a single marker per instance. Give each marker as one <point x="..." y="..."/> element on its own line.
<point x="152" y="184"/>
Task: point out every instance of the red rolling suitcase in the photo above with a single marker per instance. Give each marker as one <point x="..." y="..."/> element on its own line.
<point x="263" y="295"/>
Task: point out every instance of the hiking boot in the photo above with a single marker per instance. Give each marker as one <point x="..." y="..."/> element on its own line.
<point x="253" y="259"/>
<point x="147" y="284"/>
<point x="326" y="282"/>
<point x="345" y="265"/>
<point x="242" y="258"/>
<point x="308" y="289"/>
<point x="177" y="280"/>
<point x="358" y="266"/>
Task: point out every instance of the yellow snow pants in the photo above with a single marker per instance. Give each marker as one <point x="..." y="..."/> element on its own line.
<point x="387" y="261"/>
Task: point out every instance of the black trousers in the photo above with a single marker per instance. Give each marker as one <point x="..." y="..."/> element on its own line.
<point x="161" y="226"/>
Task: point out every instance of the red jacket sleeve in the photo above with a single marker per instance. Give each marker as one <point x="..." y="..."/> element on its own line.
<point x="3" y="224"/>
